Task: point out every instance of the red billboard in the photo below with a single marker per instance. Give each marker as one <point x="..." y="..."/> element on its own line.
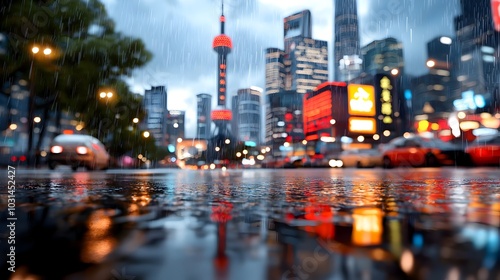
<point x="495" y="11"/>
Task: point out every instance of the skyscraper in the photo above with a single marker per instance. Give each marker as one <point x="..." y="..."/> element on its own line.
<point x="296" y="25"/>
<point x="247" y="113"/>
<point x="203" y="121"/>
<point x="175" y="127"/>
<point x="347" y="62"/>
<point x="477" y="32"/>
<point x="155" y="105"/>
<point x="382" y="56"/>
<point x="305" y="59"/>
<point x="307" y="65"/>
<point x="291" y="73"/>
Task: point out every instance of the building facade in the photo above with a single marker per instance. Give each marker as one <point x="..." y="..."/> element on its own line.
<point x="383" y="56"/>
<point x="175" y="126"/>
<point x="155" y="105"/>
<point x="347" y="61"/>
<point x="477" y="32"/>
<point x="204" y="122"/>
<point x="247" y="115"/>
<point x="300" y="68"/>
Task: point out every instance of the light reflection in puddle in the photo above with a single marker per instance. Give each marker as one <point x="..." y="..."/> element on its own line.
<point x="224" y="221"/>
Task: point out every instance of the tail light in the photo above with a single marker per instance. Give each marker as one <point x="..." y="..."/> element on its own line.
<point x="56" y="149"/>
<point x="81" y="150"/>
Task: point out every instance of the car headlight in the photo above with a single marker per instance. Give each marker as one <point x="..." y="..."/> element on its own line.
<point x="335" y="163"/>
<point x="81" y="150"/>
<point x="56" y="149"/>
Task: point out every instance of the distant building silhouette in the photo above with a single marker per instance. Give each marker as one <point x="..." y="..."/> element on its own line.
<point x="175" y="126"/>
<point x="203" y="120"/>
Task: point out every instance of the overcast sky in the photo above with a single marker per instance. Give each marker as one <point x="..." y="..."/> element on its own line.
<point x="179" y="33"/>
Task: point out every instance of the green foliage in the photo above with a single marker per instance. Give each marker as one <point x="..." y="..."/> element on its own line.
<point x="88" y="55"/>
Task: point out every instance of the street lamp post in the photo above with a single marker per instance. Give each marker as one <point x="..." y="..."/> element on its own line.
<point x="32" y="98"/>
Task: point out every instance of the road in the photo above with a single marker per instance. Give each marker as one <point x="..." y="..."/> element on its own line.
<point x="404" y="223"/>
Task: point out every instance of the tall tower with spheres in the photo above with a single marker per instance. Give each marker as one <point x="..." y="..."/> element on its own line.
<point x="222" y="139"/>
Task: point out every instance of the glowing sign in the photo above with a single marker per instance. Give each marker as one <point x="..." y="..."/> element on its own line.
<point x="361" y="100"/>
<point x="495" y="10"/>
<point x="318" y="112"/>
<point x="362" y="125"/>
<point x="386" y="99"/>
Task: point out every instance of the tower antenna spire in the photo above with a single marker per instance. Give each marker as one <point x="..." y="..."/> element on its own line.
<point x="222" y="18"/>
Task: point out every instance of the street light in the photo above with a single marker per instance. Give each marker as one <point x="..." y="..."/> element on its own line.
<point x="105" y="94"/>
<point x="35" y="50"/>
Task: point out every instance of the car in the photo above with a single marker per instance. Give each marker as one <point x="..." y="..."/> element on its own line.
<point x="485" y="150"/>
<point x="419" y="151"/>
<point x="78" y="150"/>
<point x="361" y="158"/>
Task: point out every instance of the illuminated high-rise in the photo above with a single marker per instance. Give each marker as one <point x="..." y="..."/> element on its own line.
<point x="347" y="62"/>
<point x="307" y="65"/>
<point x="291" y="73"/>
<point x="478" y="34"/>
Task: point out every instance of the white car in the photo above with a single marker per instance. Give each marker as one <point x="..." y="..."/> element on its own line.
<point x="77" y="150"/>
<point x="361" y="158"/>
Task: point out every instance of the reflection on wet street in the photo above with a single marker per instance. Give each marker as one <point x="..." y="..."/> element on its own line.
<point x="427" y="223"/>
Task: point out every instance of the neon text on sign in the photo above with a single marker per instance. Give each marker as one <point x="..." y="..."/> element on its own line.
<point x="386" y="99"/>
<point x="361" y="100"/>
<point x="362" y="125"/>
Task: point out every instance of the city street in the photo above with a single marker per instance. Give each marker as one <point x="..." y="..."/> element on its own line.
<point x="403" y="223"/>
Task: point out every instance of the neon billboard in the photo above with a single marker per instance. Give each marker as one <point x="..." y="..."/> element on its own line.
<point x="495" y="11"/>
<point x="362" y="125"/>
<point x="361" y="100"/>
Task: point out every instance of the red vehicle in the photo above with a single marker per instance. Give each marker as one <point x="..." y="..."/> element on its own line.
<point x="485" y="150"/>
<point x="417" y="151"/>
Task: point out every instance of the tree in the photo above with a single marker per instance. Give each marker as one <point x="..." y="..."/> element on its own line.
<point x="88" y="54"/>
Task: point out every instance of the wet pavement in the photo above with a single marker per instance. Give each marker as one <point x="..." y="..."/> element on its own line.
<point x="424" y="223"/>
